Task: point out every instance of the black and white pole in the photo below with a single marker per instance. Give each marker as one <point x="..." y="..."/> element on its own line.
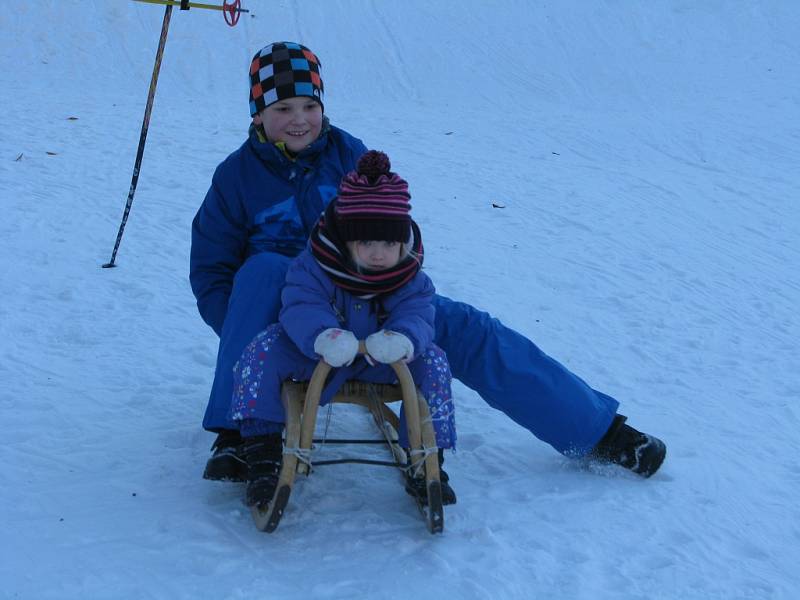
<point x="143" y="137"/>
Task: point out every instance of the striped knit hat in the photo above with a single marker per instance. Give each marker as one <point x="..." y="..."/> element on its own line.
<point x="283" y="70"/>
<point x="373" y="202"/>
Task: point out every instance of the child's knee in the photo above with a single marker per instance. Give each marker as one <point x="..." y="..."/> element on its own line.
<point x="266" y="339"/>
<point x="262" y="343"/>
<point x="432" y="363"/>
<point x="264" y="265"/>
<point x="260" y="280"/>
<point x="436" y="353"/>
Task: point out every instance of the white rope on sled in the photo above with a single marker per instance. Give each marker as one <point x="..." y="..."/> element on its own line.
<point x="417" y="458"/>
<point x="303" y="455"/>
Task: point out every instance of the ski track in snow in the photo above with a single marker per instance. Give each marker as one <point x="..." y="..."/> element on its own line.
<point x="647" y="164"/>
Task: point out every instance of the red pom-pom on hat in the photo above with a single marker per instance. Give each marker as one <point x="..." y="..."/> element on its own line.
<point x="373" y="164"/>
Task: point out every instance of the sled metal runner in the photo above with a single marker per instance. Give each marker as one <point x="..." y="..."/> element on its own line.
<point x="302" y="402"/>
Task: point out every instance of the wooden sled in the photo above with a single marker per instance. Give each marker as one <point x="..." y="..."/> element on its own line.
<point x="301" y="400"/>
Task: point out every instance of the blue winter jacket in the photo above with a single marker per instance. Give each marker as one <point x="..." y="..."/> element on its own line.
<point x="311" y="303"/>
<point x="252" y="206"/>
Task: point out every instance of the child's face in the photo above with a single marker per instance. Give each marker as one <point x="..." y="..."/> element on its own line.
<point x="295" y="121"/>
<point x="375" y="256"/>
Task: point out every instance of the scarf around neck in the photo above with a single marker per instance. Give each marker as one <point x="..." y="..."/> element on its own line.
<point x="331" y="252"/>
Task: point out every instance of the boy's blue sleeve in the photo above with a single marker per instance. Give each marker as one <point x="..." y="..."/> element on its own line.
<point x="219" y="242"/>
<point x="359" y="149"/>
<point x="411" y="312"/>
<point x="306" y="310"/>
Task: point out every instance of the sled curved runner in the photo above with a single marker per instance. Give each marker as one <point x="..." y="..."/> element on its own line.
<point x="302" y="403"/>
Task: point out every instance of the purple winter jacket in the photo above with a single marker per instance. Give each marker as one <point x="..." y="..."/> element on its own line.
<point x="312" y="303"/>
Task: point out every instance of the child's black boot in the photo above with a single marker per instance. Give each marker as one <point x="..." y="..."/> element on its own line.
<point x="625" y="446"/>
<point x="263" y="454"/>
<point x="226" y="463"/>
<point x="416" y="486"/>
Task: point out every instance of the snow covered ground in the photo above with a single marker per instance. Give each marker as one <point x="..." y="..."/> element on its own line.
<point x="647" y="155"/>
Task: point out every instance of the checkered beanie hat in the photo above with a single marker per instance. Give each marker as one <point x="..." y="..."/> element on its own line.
<point x="373" y="203"/>
<point x="283" y="70"/>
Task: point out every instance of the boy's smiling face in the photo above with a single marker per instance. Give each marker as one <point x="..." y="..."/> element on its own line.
<point x="296" y="122"/>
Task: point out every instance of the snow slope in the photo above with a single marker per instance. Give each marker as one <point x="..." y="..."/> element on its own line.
<point x="647" y="156"/>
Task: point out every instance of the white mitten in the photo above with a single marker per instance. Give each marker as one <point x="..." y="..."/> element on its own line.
<point x="337" y="347"/>
<point x="387" y="346"/>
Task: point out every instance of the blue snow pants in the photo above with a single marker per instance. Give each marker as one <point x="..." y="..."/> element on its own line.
<point x="508" y="371"/>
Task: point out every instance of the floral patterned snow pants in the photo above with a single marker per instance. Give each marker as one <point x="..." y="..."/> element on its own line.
<point x="271" y="358"/>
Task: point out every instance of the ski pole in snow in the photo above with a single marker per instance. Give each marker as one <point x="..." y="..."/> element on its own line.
<point x="231" y="11"/>
<point x="143" y="136"/>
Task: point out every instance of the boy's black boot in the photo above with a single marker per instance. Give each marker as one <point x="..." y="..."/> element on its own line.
<point x="417" y="487"/>
<point x="226" y="463"/>
<point x="263" y="454"/>
<point x="629" y="448"/>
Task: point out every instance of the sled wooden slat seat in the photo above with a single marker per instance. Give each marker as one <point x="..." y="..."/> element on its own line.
<point x="357" y="392"/>
<point x="301" y="400"/>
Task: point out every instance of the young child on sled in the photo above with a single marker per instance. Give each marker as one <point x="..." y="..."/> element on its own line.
<point x="358" y="279"/>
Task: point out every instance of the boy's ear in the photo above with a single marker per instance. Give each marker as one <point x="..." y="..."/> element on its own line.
<point x="257" y="119"/>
